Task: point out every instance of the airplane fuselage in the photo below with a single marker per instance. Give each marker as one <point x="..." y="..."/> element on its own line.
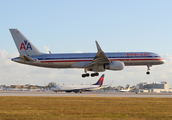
<point x="69" y="60"/>
<point x="75" y="87"/>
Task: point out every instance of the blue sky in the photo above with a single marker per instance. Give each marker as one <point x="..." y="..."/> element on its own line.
<point x="70" y="26"/>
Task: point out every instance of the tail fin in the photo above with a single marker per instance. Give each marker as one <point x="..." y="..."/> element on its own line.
<point x="24" y="46"/>
<point x="100" y="81"/>
<point x="128" y="88"/>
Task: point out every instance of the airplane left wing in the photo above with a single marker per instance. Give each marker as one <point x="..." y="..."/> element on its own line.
<point x="99" y="59"/>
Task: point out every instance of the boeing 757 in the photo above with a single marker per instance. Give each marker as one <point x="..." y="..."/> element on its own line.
<point x="96" y="62"/>
<point x="79" y="88"/>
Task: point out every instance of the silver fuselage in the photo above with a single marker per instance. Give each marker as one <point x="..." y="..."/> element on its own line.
<point x="69" y="59"/>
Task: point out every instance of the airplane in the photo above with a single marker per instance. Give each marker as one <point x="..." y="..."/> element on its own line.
<point x="125" y="90"/>
<point x="79" y="88"/>
<point x="96" y="62"/>
<point x="1" y="88"/>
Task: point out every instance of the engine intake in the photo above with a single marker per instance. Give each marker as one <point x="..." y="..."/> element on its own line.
<point x="115" y="65"/>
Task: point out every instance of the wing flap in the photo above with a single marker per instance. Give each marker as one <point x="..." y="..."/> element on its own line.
<point x="80" y="64"/>
<point x="100" y="58"/>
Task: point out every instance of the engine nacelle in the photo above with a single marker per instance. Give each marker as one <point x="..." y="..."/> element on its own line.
<point x="115" y="65"/>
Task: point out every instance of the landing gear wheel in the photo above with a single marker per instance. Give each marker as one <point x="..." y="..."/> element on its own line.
<point x="147" y="73"/>
<point x="80" y="91"/>
<point x="94" y="74"/>
<point x="85" y="75"/>
<point x="97" y="74"/>
<point x="148" y="69"/>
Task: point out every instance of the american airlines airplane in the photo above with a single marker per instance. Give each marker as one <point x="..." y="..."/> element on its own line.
<point x="96" y="62"/>
<point x="79" y="88"/>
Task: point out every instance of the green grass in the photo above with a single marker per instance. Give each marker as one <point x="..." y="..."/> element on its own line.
<point x="86" y="108"/>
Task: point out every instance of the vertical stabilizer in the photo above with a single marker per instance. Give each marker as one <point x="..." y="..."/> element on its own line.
<point x="24" y="46"/>
<point x="100" y="81"/>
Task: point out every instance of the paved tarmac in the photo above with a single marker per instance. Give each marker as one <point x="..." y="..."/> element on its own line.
<point x="84" y="94"/>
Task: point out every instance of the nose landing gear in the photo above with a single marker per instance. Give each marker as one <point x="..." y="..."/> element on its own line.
<point x="148" y="69"/>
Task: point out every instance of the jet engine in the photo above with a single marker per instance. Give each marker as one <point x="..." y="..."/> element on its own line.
<point x="115" y="65"/>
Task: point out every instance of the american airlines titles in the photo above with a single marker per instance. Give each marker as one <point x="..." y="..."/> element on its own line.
<point x="138" y="54"/>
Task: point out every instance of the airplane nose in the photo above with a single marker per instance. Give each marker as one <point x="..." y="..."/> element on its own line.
<point x="163" y="61"/>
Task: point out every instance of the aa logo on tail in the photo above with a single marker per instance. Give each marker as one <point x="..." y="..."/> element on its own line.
<point x="26" y="45"/>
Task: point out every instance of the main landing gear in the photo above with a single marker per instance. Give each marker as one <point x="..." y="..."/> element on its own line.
<point x="92" y="75"/>
<point x="87" y="74"/>
<point x="148" y="69"/>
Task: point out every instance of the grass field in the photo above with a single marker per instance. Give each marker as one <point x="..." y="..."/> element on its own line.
<point x="86" y="108"/>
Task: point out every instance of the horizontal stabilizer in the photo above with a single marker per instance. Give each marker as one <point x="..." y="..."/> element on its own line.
<point x="26" y="58"/>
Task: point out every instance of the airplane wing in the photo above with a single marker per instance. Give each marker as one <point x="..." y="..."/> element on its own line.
<point x="99" y="59"/>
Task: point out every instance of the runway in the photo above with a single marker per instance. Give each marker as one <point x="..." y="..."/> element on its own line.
<point x="84" y="94"/>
